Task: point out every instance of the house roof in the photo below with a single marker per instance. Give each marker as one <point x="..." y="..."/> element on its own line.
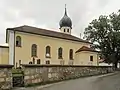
<point x="4" y="46"/>
<point x="45" y="32"/>
<point x="84" y="48"/>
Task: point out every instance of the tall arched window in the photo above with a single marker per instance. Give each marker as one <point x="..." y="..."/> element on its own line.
<point x="60" y="53"/>
<point x="71" y="54"/>
<point x="34" y="50"/>
<point x="18" y="41"/>
<point x="48" y="51"/>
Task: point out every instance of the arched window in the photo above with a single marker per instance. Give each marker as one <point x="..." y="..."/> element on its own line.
<point x="48" y="51"/>
<point x="60" y="53"/>
<point x="18" y="41"/>
<point x="71" y="54"/>
<point x="67" y="30"/>
<point x="34" y="50"/>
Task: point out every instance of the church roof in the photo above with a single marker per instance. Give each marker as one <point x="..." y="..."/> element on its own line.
<point x="49" y="33"/>
<point x="84" y="48"/>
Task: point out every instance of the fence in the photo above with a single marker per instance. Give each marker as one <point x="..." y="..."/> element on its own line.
<point x="18" y="77"/>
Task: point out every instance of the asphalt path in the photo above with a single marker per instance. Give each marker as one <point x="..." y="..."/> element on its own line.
<point x="102" y="82"/>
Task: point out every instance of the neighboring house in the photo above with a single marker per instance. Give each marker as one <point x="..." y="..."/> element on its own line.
<point x="105" y="64"/>
<point x="4" y="54"/>
<point x="86" y="56"/>
<point x="31" y="45"/>
<point x="102" y="63"/>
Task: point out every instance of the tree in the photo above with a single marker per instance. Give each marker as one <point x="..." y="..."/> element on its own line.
<point x="105" y="31"/>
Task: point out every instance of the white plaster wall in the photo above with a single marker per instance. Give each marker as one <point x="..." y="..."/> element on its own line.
<point x="11" y="47"/>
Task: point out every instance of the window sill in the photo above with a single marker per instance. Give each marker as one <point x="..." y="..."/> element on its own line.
<point x="71" y="59"/>
<point x="60" y="58"/>
<point x="48" y="57"/>
<point x="34" y="56"/>
<point x="18" y="46"/>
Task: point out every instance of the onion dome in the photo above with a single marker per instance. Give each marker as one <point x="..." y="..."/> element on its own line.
<point x="65" y="21"/>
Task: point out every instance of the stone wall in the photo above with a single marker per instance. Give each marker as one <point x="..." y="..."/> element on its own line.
<point x="48" y="73"/>
<point x="5" y="77"/>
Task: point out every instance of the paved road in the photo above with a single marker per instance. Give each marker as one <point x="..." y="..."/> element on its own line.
<point x="110" y="82"/>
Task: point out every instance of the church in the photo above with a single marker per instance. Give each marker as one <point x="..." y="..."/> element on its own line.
<point x="32" y="45"/>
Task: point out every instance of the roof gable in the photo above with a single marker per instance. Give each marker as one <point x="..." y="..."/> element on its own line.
<point x="84" y="48"/>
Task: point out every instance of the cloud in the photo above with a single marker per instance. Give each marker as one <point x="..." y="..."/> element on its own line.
<point x="47" y="13"/>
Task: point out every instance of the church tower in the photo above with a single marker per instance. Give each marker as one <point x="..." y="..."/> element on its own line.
<point x="65" y="23"/>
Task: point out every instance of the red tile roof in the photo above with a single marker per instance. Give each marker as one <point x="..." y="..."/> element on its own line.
<point x="84" y="48"/>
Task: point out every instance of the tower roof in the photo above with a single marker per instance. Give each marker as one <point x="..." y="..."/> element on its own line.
<point x="65" y="21"/>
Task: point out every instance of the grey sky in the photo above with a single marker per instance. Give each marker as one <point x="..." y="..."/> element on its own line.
<point x="47" y="13"/>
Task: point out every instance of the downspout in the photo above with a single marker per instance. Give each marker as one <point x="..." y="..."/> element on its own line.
<point x="14" y="49"/>
<point x="97" y="60"/>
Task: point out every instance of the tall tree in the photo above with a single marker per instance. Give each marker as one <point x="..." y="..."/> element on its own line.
<point x="105" y="31"/>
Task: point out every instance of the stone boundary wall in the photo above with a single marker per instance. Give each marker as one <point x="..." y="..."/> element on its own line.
<point x="5" y="77"/>
<point x="39" y="74"/>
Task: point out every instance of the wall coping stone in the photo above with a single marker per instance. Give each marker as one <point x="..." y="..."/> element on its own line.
<point x="50" y="65"/>
<point x="6" y="66"/>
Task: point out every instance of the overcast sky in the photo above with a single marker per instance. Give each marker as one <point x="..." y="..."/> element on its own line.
<point x="47" y="13"/>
